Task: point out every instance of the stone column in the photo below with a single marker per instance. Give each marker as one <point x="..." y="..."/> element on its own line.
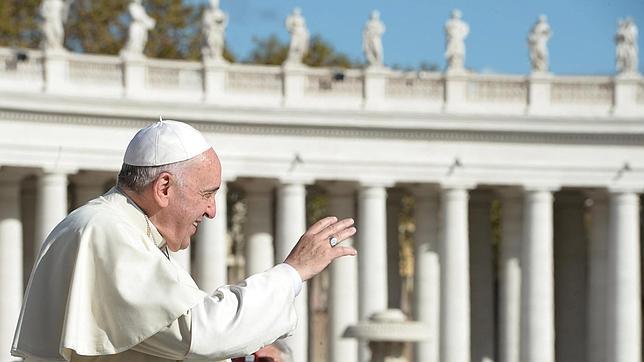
<point x="570" y="277"/>
<point x="372" y="251"/>
<point x="394" y="281"/>
<point x="372" y="248"/>
<point x="537" y="301"/>
<point x="260" y="255"/>
<point x="291" y="224"/>
<point x="211" y="249"/>
<point x="427" y="274"/>
<point x="455" y="280"/>
<point x="343" y="291"/>
<point x="51" y="205"/>
<point x="624" y="299"/>
<point x="481" y="278"/>
<point x="510" y="275"/>
<point x="10" y="261"/>
<point x="597" y="286"/>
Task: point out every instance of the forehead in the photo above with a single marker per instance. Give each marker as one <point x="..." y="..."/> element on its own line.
<point x="206" y="172"/>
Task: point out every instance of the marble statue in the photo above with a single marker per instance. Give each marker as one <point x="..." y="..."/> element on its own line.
<point x="296" y="26"/>
<point x="538" y="44"/>
<point x="627" y="52"/>
<point x="53" y="14"/>
<point x="138" y="31"/>
<point x="214" y="23"/>
<point x="372" y="39"/>
<point x="456" y="30"/>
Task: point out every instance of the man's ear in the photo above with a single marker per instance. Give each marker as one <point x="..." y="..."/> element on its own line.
<point x="161" y="189"/>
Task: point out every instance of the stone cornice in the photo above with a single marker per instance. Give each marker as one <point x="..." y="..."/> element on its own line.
<point x="320" y="130"/>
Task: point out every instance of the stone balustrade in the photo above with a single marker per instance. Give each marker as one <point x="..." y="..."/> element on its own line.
<point x="372" y="89"/>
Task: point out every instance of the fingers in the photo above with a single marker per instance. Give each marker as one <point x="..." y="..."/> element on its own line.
<point x="344" y="234"/>
<point x="336" y="229"/>
<point x="340" y="251"/>
<point x="321" y="224"/>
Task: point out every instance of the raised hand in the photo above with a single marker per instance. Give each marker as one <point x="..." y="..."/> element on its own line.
<point x="314" y="251"/>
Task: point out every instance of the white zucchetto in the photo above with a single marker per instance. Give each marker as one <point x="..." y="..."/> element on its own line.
<point x="165" y="142"/>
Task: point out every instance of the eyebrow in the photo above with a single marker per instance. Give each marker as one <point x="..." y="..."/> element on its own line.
<point x="213" y="189"/>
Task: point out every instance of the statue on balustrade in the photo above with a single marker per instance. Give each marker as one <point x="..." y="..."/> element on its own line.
<point x="138" y="31"/>
<point x="214" y="23"/>
<point x="53" y="14"/>
<point x="296" y="26"/>
<point x="372" y="39"/>
<point x="627" y="51"/>
<point x="456" y="30"/>
<point x="538" y="44"/>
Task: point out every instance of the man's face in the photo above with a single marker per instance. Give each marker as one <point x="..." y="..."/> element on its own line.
<point x="192" y="200"/>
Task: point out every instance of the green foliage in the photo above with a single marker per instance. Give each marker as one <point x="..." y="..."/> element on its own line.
<point x="322" y="54"/>
<point x="269" y="51"/>
<point x="176" y="34"/>
<point x="101" y="26"/>
<point x="19" y="23"/>
<point x="272" y="51"/>
<point x="97" y="26"/>
<point x="317" y="204"/>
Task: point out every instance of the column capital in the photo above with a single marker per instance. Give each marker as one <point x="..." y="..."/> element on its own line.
<point x="457" y="185"/>
<point x="625" y="189"/>
<point x="296" y="180"/>
<point x="372" y="191"/>
<point x="60" y="170"/>
<point x="376" y="183"/>
<point x="536" y="187"/>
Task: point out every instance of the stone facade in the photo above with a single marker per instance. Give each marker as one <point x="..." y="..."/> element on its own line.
<point x="563" y="156"/>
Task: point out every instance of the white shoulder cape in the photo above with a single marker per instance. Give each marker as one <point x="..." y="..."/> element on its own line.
<point x="101" y="285"/>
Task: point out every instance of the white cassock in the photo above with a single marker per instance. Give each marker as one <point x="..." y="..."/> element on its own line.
<point x="103" y="289"/>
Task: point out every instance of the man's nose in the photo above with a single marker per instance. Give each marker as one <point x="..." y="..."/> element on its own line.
<point x="211" y="210"/>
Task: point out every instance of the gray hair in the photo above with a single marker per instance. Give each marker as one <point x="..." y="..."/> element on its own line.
<point x="137" y="178"/>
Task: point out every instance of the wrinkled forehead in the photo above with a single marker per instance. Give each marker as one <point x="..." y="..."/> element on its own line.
<point x="205" y="171"/>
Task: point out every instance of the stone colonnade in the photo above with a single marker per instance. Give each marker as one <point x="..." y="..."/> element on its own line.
<point x="563" y="291"/>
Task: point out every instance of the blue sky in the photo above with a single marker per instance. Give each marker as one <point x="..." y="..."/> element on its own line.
<point x="582" y="41"/>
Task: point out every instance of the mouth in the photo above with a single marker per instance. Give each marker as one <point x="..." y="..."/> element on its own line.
<point x="196" y="224"/>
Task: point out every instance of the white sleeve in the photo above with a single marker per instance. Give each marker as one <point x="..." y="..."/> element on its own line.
<point x="240" y="319"/>
<point x="172" y="342"/>
<point x="236" y="320"/>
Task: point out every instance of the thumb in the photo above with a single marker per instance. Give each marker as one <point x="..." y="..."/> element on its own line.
<point x="340" y="251"/>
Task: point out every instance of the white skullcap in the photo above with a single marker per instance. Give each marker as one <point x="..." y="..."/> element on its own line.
<point x="164" y="142"/>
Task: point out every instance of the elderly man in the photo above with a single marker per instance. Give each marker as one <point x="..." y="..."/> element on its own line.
<point x="105" y="289"/>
